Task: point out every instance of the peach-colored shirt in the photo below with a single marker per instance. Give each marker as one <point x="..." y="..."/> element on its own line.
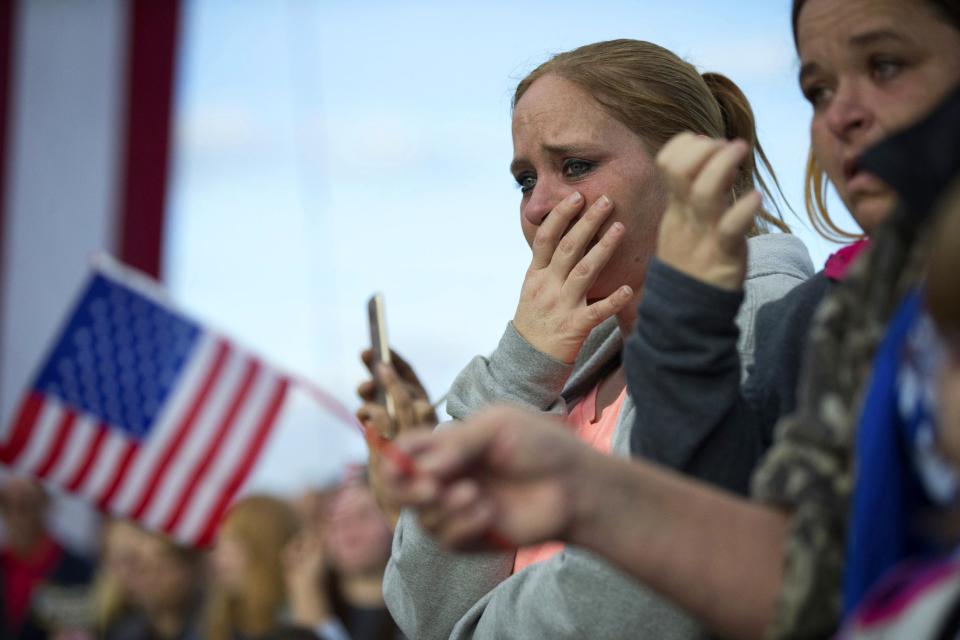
<point x="598" y="435"/>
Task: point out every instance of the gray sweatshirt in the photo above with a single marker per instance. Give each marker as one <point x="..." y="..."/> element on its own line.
<point x="433" y="593"/>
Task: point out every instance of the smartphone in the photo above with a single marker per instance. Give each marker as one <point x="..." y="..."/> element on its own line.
<point x="381" y="352"/>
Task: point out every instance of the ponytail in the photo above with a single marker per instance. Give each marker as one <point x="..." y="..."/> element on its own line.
<point x="739" y="122"/>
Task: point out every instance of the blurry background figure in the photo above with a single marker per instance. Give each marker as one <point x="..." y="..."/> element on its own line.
<point x="358" y="541"/>
<point x="43" y="586"/>
<point x="312" y="507"/>
<point x="118" y="570"/>
<point x="335" y="568"/>
<point x="155" y="585"/>
<point x="246" y="592"/>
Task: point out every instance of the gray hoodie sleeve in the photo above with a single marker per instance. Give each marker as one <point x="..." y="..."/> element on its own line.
<point x="428" y="589"/>
<point x="516" y="373"/>
<point x="574" y="595"/>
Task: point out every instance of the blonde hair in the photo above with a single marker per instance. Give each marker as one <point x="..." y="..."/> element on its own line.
<point x="263" y="526"/>
<point x="110" y="599"/>
<point x="657" y="95"/>
<point x="815" y="184"/>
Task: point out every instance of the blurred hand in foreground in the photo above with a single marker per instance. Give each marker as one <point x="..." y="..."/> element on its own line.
<point x="506" y="475"/>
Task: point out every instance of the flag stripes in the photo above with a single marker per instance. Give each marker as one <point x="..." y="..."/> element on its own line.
<point x="176" y="473"/>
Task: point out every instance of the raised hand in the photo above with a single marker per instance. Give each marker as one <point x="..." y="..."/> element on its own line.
<point x="703" y="233"/>
<point x="412" y="412"/>
<point x="412" y="408"/>
<point x="505" y="471"/>
<point x="553" y="314"/>
<point x="304" y="564"/>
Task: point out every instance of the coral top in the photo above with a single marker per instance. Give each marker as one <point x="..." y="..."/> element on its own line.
<point x="598" y="435"/>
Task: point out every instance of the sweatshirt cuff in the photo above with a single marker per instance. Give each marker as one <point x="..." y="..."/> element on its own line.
<point x="681" y="300"/>
<point x="532" y="376"/>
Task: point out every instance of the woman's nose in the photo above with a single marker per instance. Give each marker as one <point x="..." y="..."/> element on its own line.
<point x="544" y="197"/>
<point x="848" y="113"/>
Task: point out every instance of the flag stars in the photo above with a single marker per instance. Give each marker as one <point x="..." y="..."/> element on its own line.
<point x="82" y="338"/>
<point x="71" y="390"/>
<point x="106" y="368"/>
<point x="98" y="308"/>
<point x="120" y="356"/>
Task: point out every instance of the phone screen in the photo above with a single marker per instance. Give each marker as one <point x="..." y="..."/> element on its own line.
<point x="381" y="352"/>
<point x="378" y="328"/>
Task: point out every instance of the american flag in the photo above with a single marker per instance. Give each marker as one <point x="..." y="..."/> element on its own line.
<point x="143" y="412"/>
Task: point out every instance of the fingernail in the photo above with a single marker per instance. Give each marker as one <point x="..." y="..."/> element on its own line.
<point x="574" y="197"/>
<point x="616" y="227"/>
<point x="604" y="201"/>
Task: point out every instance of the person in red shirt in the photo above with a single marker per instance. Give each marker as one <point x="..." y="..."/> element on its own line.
<point x="31" y="561"/>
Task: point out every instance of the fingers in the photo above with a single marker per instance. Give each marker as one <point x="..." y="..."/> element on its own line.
<point x="613" y="304"/>
<point x="553" y="227"/>
<point x="376" y="417"/>
<point x="571" y="247"/>
<point x="473" y="528"/>
<point x="710" y="190"/>
<point x="700" y="171"/>
<point x="737" y="221"/>
<point x="424" y="413"/>
<point x="367" y="390"/>
<point x="408" y="375"/>
<point x="458" y="497"/>
<point x="702" y="233"/>
<point x="454" y="451"/>
<point x="461" y="517"/>
<point x="682" y="158"/>
<point x="399" y="395"/>
<point x="368" y="359"/>
<point x="585" y="273"/>
<point x="405" y="489"/>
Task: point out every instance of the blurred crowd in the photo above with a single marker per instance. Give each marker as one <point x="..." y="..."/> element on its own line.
<point x="306" y="568"/>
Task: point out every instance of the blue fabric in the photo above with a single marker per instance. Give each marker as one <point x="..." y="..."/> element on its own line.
<point x="889" y="492"/>
<point x="119" y="356"/>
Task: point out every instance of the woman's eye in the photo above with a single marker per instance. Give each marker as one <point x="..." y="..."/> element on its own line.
<point x="885" y="68"/>
<point x="816" y="95"/>
<point x="526" y="182"/>
<point x="576" y="168"/>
